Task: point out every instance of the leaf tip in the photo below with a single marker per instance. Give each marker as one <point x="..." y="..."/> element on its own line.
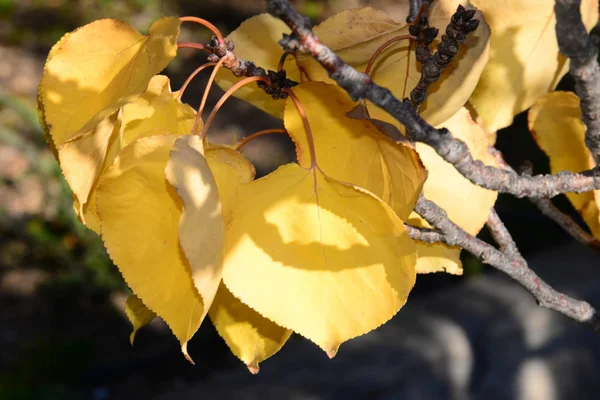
<point x="332" y="352"/>
<point x="184" y="350"/>
<point x="253" y="368"/>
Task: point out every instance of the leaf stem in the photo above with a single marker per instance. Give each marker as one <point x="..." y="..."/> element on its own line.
<point x="245" y="140"/>
<point x="192" y="76"/>
<point x="193" y="45"/>
<point x="224" y="98"/>
<point x="309" y="136"/>
<point x="206" y="24"/>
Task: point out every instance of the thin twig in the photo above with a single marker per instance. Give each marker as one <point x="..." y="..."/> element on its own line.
<point x="565" y="221"/>
<point x="510" y="263"/>
<point x="582" y="49"/>
<point x="454" y="151"/>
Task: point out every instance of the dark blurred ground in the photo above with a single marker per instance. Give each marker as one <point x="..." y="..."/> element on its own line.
<point x="63" y="334"/>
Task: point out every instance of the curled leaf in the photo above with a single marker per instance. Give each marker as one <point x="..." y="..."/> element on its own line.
<point x="311" y="254"/>
<point x="556" y="125"/>
<point x="524" y="59"/>
<point x="201" y="228"/>
<point x="138" y="314"/>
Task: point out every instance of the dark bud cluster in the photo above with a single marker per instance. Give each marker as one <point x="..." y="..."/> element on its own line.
<point x="277" y="79"/>
<point x="461" y="24"/>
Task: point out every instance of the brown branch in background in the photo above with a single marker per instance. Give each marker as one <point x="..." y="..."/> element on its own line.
<point x="575" y="43"/>
<point x="432" y="65"/>
<point x="508" y="261"/>
<point x="413" y="10"/>
<point x="563" y="220"/>
<point x="454" y="151"/>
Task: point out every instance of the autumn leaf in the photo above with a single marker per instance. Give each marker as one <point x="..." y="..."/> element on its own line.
<point x="250" y="336"/>
<point x="311" y="253"/>
<point x="356" y="34"/>
<point x="452" y="191"/>
<point x="93" y="71"/>
<point x="138" y="314"/>
<point x="556" y="125"/>
<point x="140" y="217"/>
<point x="354" y="150"/>
<point x="524" y="59"/>
<point x="257" y="39"/>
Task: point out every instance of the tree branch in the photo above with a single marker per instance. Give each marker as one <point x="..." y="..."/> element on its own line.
<point x="454" y="151"/>
<point x="575" y="43"/>
<point x="508" y="261"/>
<point x="425" y="234"/>
<point x="563" y="220"/>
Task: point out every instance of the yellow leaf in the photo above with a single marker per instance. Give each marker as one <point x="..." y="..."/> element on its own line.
<point x="140" y="212"/>
<point x="138" y="314"/>
<point x="257" y="39"/>
<point x="201" y="228"/>
<point x="156" y="110"/>
<point x="435" y="257"/>
<point x="327" y="260"/>
<point x="468" y="205"/>
<point x="555" y="123"/>
<point x="524" y="59"/>
<point x="249" y="335"/>
<point x="91" y="72"/>
<point x="230" y="169"/>
<point x="354" y="150"/>
<point x="356" y="34"/>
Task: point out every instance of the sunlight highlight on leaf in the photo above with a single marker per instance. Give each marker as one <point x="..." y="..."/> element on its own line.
<point x="201" y="227"/>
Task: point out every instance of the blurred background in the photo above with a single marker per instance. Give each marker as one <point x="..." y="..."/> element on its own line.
<point x="63" y="333"/>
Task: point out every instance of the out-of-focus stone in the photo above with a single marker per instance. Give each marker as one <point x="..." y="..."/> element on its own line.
<point x="483" y="340"/>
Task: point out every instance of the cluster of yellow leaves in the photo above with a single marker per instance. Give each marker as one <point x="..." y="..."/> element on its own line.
<point x="317" y="247"/>
<point x="304" y="249"/>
